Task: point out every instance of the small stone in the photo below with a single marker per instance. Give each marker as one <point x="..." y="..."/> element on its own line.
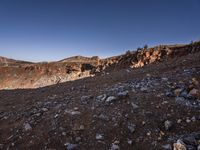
<point x="72" y="112"/>
<point x="103" y="117"/>
<point x="177" y="92"/>
<point x="194" y="93"/>
<point x="148" y="75"/>
<point x="131" y="127"/>
<point x="169" y="94"/>
<point x="184" y="94"/>
<point x="189" y="141"/>
<point x="56" y="116"/>
<point x="195" y="82"/>
<point x="84" y="98"/>
<point x="38" y="114"/>
<point x="78" y="139"/>
<point x="134" y="106"/>
<point x="111" y="99"/>
<point x="133" y="90"/>
<point x="143" y="89"/>
<point x="99" y="136"/>
<point x="78" y="127"/>
<point x="167" y="147"/>
<point x="44" y="109"/>
<point x="198" y="148"/>
<point x="75" y="108"/>
<point x="101" y="98"/>
<point x="143" y="123"/>
<point x="148" y="133"/>
<point x="165" y="79"/>
<point x="64" y="133"/>
<point x="72" y="146"/>
<point x="188" y="120"/>
<point x="168" y="125"/>
<point x="179" y="121"/>
<point x="180" y="100"/>
<point x="75" y="113"/>
<point x="82" y="127"/>
<point x="115" y="147"/>
<point x="130" y="142"/>
<point x="27" y="127"/>
<point x="116" y="142"/>
<point x="123" y="94"/>
<point x="193" y="118"/>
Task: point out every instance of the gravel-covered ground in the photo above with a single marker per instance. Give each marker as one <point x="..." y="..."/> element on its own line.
<point x="154" y="107"/>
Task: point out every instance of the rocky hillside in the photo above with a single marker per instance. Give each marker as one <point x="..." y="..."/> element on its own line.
<point x="125" y="106"/>
<point x="19" y="74"/>
<point x="11" y="62"/>
<point x="142" y="57"/>
<point x="27" y="75"/>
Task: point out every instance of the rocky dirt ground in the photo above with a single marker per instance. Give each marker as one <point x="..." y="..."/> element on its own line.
<point x="154" y="107"/>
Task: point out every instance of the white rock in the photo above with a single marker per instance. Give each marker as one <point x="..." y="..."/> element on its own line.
<point x="167" y="147"/>
<point x="143" y="89"/>
<point x="27" y="127"/>
<point x="44" y="109"/>
<point x="72" y="112"/>
<point x="130" y="142"/>
<point x="165" y="79"/>
<point x="198" y="148"/>
<point x="99" y="136"/>
<point x="168" y="124"/>
<point x="115" y="147"/>
<point x="131" y="127"/>
<point x="101" y="98"/>
<point x="111" y="99"/>
<point x="123" y="94"/>
<point x="134" y="106"/>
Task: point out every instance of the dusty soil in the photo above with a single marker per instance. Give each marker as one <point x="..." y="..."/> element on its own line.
<point x="145" y="108"/>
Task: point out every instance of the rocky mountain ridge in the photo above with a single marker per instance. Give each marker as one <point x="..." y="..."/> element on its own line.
<point x="21" y="74"/>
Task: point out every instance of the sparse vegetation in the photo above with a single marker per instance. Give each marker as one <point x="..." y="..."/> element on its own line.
<point x="128" y="52"/>
<point x="139" y="48"/>
<point x="145" y="46"/>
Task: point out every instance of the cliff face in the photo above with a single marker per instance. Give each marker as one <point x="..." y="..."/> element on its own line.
<point x="21" y="74"/>
<point x="144" y="57"/>
<point x="42" y="74"/>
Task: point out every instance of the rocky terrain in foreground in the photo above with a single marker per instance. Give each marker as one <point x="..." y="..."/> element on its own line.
<point x="132" y="103"/>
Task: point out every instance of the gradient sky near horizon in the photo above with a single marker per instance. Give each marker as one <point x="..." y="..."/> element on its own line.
<point x="47" y="30"/>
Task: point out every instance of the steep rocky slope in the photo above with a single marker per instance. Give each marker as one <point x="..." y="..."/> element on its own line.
<point x="156" y="106"/>
<point x="19" y="74"/>
<point x="142" y="57"/>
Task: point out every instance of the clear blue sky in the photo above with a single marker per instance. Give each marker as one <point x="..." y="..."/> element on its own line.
<point x="37" y="30"/>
